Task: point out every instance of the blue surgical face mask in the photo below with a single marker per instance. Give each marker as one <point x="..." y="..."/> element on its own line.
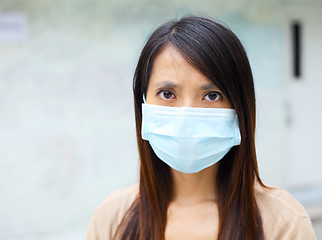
<point x="190" y="139"/>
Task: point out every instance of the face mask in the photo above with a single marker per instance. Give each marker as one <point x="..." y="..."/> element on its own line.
<point x="190" y="139"/>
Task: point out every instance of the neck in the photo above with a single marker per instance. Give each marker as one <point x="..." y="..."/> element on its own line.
<point x="195" y="187"/>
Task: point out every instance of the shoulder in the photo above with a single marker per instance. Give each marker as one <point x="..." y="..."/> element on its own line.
<point x="109" y="214"/>
<point x="278" y="199"/>
<point x="283" y="217"/>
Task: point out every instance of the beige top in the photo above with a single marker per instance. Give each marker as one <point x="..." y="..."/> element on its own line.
<point x="283" y="217"/>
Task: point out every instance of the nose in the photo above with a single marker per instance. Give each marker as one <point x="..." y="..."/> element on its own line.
<point x="187" y="102"/>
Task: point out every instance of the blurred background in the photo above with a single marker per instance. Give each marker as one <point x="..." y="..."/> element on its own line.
<point x="67" y="131"/>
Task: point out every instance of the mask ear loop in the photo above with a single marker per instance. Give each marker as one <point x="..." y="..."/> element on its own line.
<point x="144" y="99"/>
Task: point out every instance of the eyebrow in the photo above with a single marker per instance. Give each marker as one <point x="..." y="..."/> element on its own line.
<point x="209" y="86"/>
<point x="166" y="84"/>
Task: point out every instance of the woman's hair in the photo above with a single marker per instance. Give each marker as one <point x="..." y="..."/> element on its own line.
<point x="217" y="53"/>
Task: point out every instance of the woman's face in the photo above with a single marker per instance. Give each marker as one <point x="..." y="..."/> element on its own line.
<point x="176" y="83"/>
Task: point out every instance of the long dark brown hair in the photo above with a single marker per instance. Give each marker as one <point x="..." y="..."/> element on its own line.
<point x="217" y="53"/>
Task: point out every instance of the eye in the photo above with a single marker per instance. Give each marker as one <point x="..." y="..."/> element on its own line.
<point x="213" y="96"/>
<point x="165" y="94"/>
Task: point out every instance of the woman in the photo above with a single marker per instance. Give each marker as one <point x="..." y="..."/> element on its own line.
<point x="195" y="121"/>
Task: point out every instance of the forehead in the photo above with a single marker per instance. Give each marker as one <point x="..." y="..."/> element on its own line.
<point x="170" y="66"/>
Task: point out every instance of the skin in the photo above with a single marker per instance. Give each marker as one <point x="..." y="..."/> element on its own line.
<point x="192" y="212"/>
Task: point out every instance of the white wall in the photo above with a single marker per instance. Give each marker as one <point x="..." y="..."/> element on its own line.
<point x="304" y="98"/>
